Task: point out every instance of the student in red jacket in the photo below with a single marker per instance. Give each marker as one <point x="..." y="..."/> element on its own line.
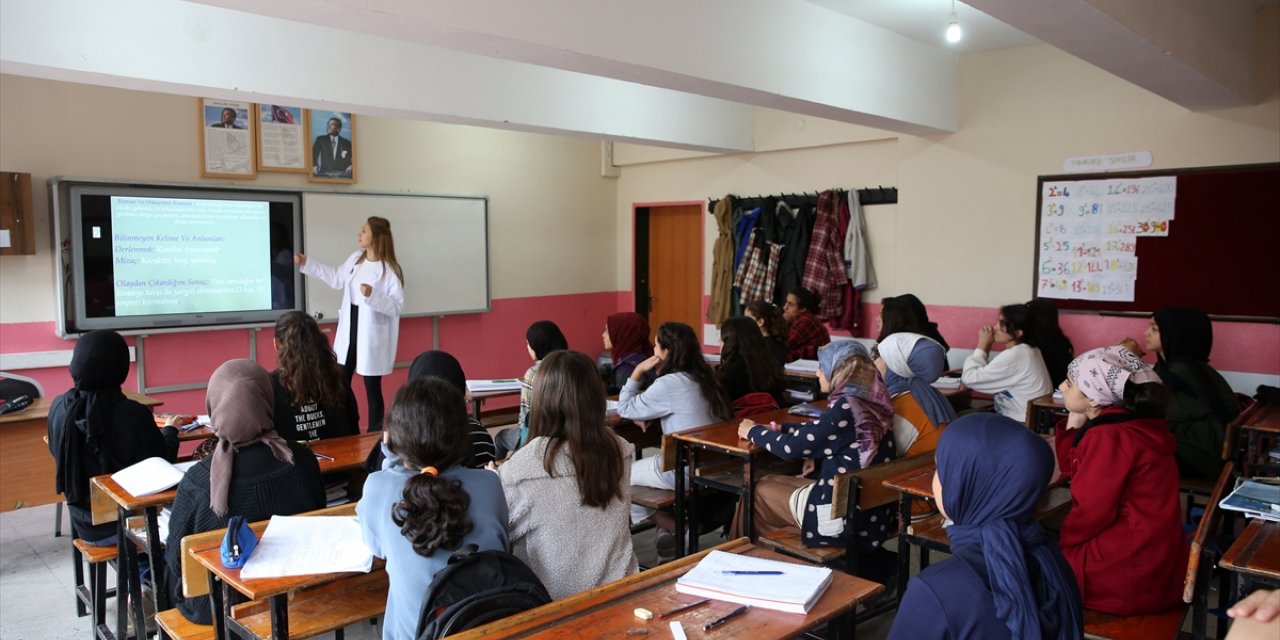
<point x="1123" y="537"/>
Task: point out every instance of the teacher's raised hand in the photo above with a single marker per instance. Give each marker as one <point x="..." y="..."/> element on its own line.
<point x="299" y="259"/>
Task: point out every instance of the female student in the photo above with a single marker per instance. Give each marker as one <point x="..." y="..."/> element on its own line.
<point x="1014" y="376"/>
<point x="626" y="336"/>
<point x="746" y="366"/>
<point x="540" y="339"/>
<point x="854" y="432"/>
<point x="921" y="314"/>
<point x="1203" y="403"/>
<point x="94" y="429"/>
<point x="568" y="489"/>
<point x="312" y="400"/>
<point x="910" y="363"/>
<point x="772" y="325"/>
<point x="1123" y="536"/>
<point x="372" y="287"/>
<point x="1005" y="578"/>
<point x="1055" y="346"/>
<point x="252" y="472"/>
<point x="806" y="332"/>
<point x="423" y="505"/>
<point x="685" y="394"/>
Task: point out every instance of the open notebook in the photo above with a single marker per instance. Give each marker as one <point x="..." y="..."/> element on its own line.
<point x="152" y="475"/>
<point x="794" y="590"/>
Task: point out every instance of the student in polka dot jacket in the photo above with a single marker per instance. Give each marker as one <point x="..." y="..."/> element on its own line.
<point x="854" y="432"/>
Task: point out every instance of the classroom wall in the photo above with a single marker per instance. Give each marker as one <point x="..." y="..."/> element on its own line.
<point x="961" y="236"/>
<point x="544" y="191"/>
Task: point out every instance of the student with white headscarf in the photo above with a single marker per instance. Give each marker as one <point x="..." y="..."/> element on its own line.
<point x="910" y="363"/>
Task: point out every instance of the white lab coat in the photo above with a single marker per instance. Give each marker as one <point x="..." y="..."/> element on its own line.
<point x="379" y="327"/>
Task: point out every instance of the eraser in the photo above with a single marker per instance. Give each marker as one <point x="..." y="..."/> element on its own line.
<point x="644" y="614"/>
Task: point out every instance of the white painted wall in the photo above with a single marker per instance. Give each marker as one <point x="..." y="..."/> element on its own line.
<point x="545" y="191"/>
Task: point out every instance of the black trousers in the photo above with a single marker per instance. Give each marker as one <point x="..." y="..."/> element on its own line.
<point x="372" y="384"/>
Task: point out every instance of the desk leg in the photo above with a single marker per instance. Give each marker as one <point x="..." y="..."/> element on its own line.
<point x="155" y="552"/>
<point x="904" y="545"/>
<point x="122" y="576"/>
<point x="133" y="580"/>
<point x="280" y="616"/>
<point x="217" y="607"/>
<point x="749" y="498"/>
<point x="694" y="526"/>
<point x="680" y="532"/>
<point x="475" y="408"/>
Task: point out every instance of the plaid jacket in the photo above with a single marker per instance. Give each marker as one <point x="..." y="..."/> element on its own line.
<point x="805" y="336"/>
<point x="757" y="272"/>
<point x="824" y="271"/>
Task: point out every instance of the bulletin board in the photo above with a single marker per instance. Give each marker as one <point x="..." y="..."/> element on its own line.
<point x="1135" y="242"/>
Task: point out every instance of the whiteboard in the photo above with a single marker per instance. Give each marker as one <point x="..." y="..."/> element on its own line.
<point x="442" y="245"/>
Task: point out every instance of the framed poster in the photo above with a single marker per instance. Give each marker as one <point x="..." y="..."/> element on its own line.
<point x="282" y="144"/>
<point x="226" y="139"/>
<point x="331" y="149"/>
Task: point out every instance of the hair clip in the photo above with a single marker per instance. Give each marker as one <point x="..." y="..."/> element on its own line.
<point x="429" y="471"/>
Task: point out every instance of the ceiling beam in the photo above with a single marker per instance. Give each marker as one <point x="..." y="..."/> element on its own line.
<point x="791" y="55"/>
<point x="198" y="50"/>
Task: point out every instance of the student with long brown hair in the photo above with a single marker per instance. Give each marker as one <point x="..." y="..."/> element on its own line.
<point x="372" y="285"/>
<point x="424" y="504"/>
<point x="685" y="395"/>
<point x="572" y="478"/>
<point x="746" y="366"/>
<point x="312" y="401"/>
<point x="772" y="325"/>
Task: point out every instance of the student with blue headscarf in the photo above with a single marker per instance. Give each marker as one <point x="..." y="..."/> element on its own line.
<point x="854" y="432"/>
<point x="910" y="363"/>
<point x="1006" y="578"/>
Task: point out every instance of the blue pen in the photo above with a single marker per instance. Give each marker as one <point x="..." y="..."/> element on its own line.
<point x="752" y="573"/>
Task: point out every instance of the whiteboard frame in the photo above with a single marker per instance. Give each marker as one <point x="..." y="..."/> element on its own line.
<point x="488" y="275"/>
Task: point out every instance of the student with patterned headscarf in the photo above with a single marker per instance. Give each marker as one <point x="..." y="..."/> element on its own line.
<point x="1123" y="537"/>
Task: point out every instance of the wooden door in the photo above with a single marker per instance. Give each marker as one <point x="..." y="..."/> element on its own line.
<point x="674" y="278"/>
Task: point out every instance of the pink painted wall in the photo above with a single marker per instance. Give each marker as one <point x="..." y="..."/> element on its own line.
<point x="489" y="345"/>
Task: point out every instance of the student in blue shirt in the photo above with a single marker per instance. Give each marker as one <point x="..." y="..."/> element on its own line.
<point x="424" y="504"/>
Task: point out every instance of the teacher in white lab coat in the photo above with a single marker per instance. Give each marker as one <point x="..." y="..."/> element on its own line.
<point x="369" y="319"/>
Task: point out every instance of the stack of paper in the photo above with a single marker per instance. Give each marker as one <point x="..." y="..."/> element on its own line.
<point x="485" y="386"/>
<point x="713" y="358"/>
<point x="152" y="475"/>
<point x="793" y="588"/>
<point x="307" y="545"/>
<point x="1254" y="499"/>
<point x="610" y="406"/>
<point x="802" y="366"/>
<point x="946" y="384"/>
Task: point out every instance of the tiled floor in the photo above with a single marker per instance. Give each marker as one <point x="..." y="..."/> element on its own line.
<point x="37" y="601"/>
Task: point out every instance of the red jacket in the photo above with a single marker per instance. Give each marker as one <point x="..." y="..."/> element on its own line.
<point x="1123" y="537"/>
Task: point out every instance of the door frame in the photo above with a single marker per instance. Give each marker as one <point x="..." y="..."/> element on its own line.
<point x="639" y="221"/>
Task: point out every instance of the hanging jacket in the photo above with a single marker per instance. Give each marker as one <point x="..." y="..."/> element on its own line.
<point x="722" y="263"/>
<point x="795" y="226"/>
<point x="824" y="271"/>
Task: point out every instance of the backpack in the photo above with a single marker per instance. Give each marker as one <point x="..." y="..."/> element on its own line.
<point x="476" y="588"/>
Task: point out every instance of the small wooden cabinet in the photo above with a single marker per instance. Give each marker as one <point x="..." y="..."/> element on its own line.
<point x="17" y="215"/>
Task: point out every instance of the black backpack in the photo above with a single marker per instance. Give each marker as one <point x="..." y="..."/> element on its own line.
<point x="476" y="588"/>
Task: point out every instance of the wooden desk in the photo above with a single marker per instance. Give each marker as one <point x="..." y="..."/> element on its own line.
<point x="109" y="501"/>
<point x="477" y="399"/>
<point x="721" y="438"/>
<point x="1043" y="414"/>
<point x="929" y="535"/>
<point x="606" y="611"/>
<point x="1255" y="555"/>
<point x="1261" y="430"/>
<point x="26" y="475"/>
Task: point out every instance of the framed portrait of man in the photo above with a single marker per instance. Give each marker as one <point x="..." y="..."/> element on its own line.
<point x="227" y="139"/>
<point x="331" y="146"/>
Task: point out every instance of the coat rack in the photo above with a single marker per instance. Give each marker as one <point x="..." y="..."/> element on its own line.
<point x="866" y="197"/>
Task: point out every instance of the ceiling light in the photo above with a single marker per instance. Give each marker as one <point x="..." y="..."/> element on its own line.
<point x="953" y="25"/>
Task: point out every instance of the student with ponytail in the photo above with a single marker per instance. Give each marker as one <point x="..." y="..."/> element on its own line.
<point x="372" y="287"/>
<point x="424" y="504"/>
<point x="312" y="399"/>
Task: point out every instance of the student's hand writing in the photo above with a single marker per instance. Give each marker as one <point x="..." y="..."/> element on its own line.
<point x="744" y="428"/>
<point x="1133" y="347"/>
<point x="986" y="337"/>
<point x="366" y="290"/>
<point x="807" y="468"/>
<point x="492" y="466"/>
<point x="644" y="367"/>
<point x="1262" y="605"/>
<point x="299" y="259"/>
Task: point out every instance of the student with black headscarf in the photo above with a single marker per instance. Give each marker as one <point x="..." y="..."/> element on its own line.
<point x="1203" y="403"/>
<point x="94" y="429"/>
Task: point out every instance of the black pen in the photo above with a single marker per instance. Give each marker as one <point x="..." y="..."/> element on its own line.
<point x="752" y="573"/>
<point x="725" y="618"/>
<point x="686" y="607"/>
